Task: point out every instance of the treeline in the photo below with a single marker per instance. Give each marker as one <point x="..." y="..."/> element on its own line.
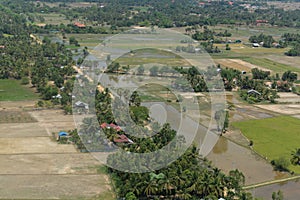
<point x="208" y="34"/>
<point x="163" y="13"/>
<point x="287" y="39"/>
<point x="70" y="28"/>
<point x="267" y="40"/>
<point x="260" y="86"/>
<point x="293" y="40"/>
<point x="189" y="177"/>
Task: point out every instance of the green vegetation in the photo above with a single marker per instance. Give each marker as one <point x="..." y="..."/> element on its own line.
<point x="273" y="138"/>
<point x="267" y="40"/>
<point x="146" y="56"/>
<point x="277" y="195"/>
<point x="294" y="41"/>
<point x="220" y="27"/>
<point x="295" y="160"/>
<point x="189" y="177"/>
<point x="12" y="90"/>
<point x="271" y="65"/>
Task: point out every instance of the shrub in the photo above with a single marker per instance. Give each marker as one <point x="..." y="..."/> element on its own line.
<point x="281" y="164"/>
<point x="25" y="81"/>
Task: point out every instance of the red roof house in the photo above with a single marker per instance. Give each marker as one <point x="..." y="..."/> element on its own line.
<point x="122" y="139"/>
<point x="79" y="25"/>
<point x="113" y="126"/>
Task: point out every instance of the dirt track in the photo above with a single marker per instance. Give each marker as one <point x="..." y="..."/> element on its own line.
<point x="34" y="166"/>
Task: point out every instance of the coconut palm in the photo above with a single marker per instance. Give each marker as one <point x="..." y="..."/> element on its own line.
<point x="151" y="188"/>
<point x="295" y="160"/>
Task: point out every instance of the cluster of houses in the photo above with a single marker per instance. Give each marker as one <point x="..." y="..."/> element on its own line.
<point x="274" y="44"/>
<point x="118" y="138"/>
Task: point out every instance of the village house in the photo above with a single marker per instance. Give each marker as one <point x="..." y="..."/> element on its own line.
<point x="80" y="104"/>
<point x="79" y="25"/>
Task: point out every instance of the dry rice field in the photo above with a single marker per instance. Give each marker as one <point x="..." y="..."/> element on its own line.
<point x="238" y="64"/>
<point x="35" y="166"/>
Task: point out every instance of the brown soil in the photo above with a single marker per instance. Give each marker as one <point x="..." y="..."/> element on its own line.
<point x="238" y="64"/>
<point x="34" y="166"/>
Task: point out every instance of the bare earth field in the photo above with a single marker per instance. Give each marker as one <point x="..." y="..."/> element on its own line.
<point x="288" y="97"/>
<point x="238" y="64"/>
<point x="285" y="109"/>
<point x="288" y="60"/>
<point x="34" y="166"/>
<point x="285" y="5"/>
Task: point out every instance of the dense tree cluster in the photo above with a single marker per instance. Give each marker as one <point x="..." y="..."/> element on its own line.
<point x="164" y="13"/>
<point x="259" y="74"/>
<point x="209" y="35"/>
<point x="189" y="177"/>
<point x="45" y="65"/>
<point x="295" y="160"/>
<point x="293" y="40"/>
<point x="266" y="40"/>
<point x="252" y="89"/>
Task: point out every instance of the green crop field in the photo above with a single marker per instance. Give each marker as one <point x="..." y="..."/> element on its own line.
<point x="12" y="90"/>
<point x="269" y="64"/>
<point x="273" y="137"/>
<point x="89" y="40"/>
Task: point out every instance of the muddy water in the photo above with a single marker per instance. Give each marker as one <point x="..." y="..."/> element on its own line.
<point x="227" y="156"/>
<point x="290" y="189"/>
<point x="224" y="154"/>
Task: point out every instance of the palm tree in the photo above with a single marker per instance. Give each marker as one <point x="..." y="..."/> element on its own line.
<point x="295" y="160"/>
<point x="183" y="195"/>
<point x="151" y="188"/>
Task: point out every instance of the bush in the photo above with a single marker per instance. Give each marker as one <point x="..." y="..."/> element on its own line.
<point x="281" y="164"/>
<point x="251" y="143"/>
<point x="228" y="47"/>
<point x="25" y="81"/>
<point x="40" y="103"/>
<point x="130" y="196"/>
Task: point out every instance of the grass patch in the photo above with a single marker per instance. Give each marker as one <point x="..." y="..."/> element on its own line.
<point x="12" y="90"/>
<point x="156" y="92"/>
<point x="269" y="64"/>
<point x="150" y="56"/>
<point x="89" y="40"/>
<point x="72" y="47"/>
<point x="273" y="137"/>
